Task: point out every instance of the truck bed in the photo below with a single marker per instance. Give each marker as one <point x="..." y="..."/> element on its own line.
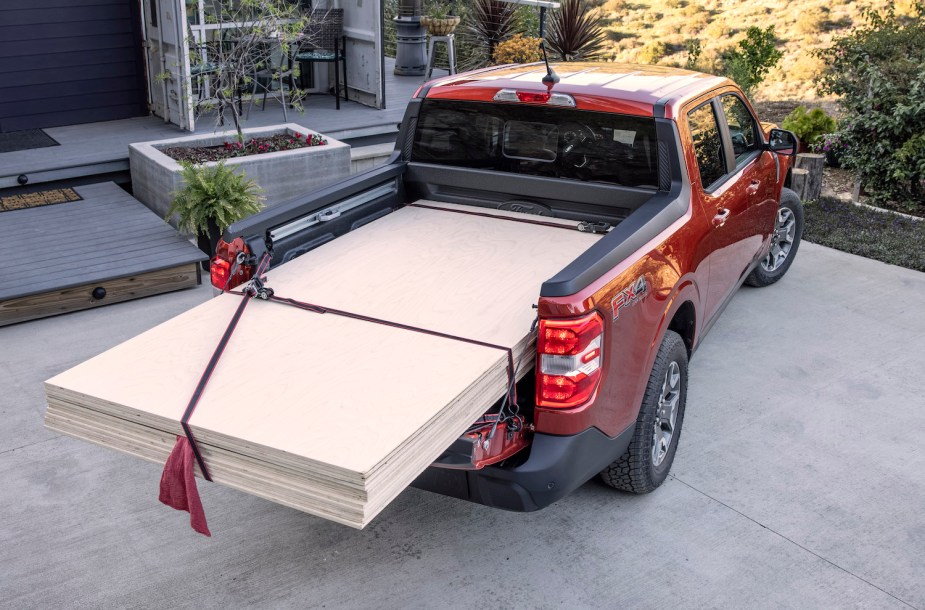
<point x="324" y="413"/>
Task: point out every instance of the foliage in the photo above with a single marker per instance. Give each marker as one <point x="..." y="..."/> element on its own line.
<point x="812" y="20"/>
<point x="476" y="33"/>
<point x="652" y="52"/>
<point x="576" y="31"/>
<point x="809" y="125"/>
<point x="830" y="142"/>
<point x="879" y="73"/>
<point x="518" y="49"/>
<point x="493" y="21"/>
<point x="694" y="50"/>
<point x="235" y="55"/>
<point x="440" y="10"/>
<point x="878" y="235"/>
<point x="255" y="146"/>
<point x="216" y="193"/>
<point x="749" y="62"/>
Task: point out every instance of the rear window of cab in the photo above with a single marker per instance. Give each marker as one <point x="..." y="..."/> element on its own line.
<point x="538" y="140"/>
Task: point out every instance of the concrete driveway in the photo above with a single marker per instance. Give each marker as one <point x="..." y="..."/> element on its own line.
<point x="800" y="482"/>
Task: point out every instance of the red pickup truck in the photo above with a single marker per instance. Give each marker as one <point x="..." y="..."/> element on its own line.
<point x="689" y="190"/>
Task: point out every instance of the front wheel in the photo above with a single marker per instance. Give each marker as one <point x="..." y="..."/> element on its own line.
<point x="648" y="459"/>
<point x="788" y="232"/>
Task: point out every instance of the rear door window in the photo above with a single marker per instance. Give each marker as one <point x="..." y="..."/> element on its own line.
<point x="708" y="145"/>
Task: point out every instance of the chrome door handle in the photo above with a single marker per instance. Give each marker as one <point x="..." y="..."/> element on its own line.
<point x="722" y="215"/>
<point x="752" y="188"/>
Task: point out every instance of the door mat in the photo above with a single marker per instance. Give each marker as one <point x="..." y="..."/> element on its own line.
<point x="38" y="199"/>
<point x="25" y="140"/>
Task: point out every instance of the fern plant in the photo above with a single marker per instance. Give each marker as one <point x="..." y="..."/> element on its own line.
<point x="214" y="194"/>
<point x="576" y="31"/>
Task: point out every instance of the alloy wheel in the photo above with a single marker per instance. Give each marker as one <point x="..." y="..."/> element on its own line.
<point x="667" y="414"/>
<point x="781" y="241"/>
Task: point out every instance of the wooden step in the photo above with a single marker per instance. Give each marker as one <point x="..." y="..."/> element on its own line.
<point x="107" y="248"/>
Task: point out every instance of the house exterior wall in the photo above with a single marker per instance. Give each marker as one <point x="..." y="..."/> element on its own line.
<point x="64" y="62"/>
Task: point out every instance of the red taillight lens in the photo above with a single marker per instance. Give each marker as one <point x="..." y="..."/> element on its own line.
<point x="224" y="263"/>
<point x="569" y="360"/>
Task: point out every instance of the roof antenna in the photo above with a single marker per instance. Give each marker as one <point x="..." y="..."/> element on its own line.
<point x="551" y="77"/>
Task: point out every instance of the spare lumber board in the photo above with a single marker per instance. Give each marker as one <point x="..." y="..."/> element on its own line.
<point x="327" y="414"/>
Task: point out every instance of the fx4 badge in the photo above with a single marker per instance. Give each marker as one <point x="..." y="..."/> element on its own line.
<point x="630" y="295"/>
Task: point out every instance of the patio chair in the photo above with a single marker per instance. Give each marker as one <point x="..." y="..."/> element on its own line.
<point x="324" y="42"/>
<point x="277" y="68"/>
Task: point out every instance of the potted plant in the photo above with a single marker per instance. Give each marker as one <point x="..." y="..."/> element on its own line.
<point x="832" y="146"/>
<point x="809" y="125"/>
<point x="441" y="19"/>
<point x="212" y="198"/>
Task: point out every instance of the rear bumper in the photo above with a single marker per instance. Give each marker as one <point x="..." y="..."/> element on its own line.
<point x="555" y="467"/>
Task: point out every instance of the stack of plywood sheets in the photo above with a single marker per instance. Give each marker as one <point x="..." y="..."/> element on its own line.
<point x="331" y="415"/>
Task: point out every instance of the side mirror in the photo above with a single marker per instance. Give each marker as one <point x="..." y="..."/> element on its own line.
<point x="783" y="142"/>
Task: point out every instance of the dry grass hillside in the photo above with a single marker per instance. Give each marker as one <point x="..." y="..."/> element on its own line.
<point x="660" y="31"/>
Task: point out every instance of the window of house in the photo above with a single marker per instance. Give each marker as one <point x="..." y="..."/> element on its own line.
<point x="743" y="129"/>
<point x="708" y="146"/>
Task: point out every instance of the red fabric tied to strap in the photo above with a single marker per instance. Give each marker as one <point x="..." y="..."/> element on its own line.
<point x="178" y="485"/>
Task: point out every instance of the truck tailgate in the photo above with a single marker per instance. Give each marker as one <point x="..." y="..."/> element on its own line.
<point x="330" y="414"/>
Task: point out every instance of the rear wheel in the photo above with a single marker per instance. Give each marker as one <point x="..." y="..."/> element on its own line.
<point x="646" y="463"/>
<point x="788" y="231"/>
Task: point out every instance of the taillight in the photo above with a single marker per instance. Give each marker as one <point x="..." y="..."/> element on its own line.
<point x="568" y="360"/>
<point x="225" y="272"/>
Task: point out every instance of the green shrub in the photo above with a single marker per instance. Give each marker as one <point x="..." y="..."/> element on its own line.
<point x="518" y="49"/>
<point x="652" y="52"/>
<point x="749" y="62"/>
<point x="809" y="125"/>
<point x="216" y="193"/>
<point x="879" y="73"/>
<point x="694" y="50"/>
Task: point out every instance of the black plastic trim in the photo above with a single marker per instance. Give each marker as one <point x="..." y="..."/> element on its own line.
<point x="433" y="176"/>
<point x="409" y="124"/>
<point x="259" y="225"/>
<point x="640" y="227"/>
<point x="557" y="465"/>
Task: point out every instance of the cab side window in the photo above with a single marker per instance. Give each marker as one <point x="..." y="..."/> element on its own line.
<point x="708" y="146"/>
<point x="743" y="129"/>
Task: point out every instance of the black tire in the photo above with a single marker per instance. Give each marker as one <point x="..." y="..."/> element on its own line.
<point x="772" y="267"/>
<point x="638" y="470"/>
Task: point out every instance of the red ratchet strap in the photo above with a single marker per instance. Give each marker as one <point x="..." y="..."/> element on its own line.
<point x="512" y="385"/>
<point x="210" y="368"/>
<point x="178" y="483"/>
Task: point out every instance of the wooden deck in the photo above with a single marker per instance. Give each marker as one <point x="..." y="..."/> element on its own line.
<point x="58" y="255"/>
<point x="100" y="148"/>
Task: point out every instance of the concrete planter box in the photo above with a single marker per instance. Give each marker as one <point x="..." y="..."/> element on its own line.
<point x="365" y="158"/>
<point x="282" y="175"/>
